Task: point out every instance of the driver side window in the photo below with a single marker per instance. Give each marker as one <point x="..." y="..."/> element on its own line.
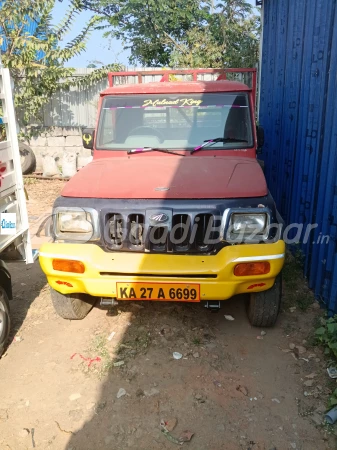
<point x="237" y="123"/>
<point x="108" y="135"/>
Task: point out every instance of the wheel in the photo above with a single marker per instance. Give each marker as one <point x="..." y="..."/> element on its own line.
<point x="263" y="307"/>
<point x="28" y="160"/>
<point x="4" y="319"/>
<point x="72" y="306"/>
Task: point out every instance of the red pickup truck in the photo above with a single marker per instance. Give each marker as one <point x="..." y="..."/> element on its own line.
<point x="174" y="205"/>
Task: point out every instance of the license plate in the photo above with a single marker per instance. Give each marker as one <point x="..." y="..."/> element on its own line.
<point x="179" y="292"/>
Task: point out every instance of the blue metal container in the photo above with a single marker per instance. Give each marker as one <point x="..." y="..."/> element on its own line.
<point x="298" y="95"/>
<point x="29" y="28"/>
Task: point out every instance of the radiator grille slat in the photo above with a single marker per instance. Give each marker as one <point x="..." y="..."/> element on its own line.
<point x="181" y="232"/>
<point x="116" y="225"/>
<point x="203" y="223"/>
<point x="136" y="230"/>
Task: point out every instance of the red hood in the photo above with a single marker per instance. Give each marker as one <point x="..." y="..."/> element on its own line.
<point x="181" y="177"/>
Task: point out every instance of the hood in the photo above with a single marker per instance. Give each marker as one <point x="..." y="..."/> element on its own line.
<point x="169" y="176"/>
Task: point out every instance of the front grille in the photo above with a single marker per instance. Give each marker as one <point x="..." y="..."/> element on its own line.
<point x="182" y="233"/>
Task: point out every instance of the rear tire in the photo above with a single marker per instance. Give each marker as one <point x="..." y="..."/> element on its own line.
<point x="72" y="306"/>
<point x="263" y="307"/>
<point x="28" y="160"/>
<point x="4" y="319"/>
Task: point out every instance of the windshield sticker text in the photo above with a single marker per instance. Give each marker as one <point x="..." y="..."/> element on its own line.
<point x="177" y="102"/>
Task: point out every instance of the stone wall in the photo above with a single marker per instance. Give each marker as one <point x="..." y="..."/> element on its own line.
<point x="55" y="142"/>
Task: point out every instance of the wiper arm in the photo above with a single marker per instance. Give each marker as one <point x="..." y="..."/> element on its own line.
<point x="214" y="141"/>
<point x="153" y="149"/>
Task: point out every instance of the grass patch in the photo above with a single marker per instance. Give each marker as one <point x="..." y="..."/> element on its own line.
<point x="326" y="336"/>
<point x="98" y="347"/>
<point x="29" y="181"/>
<point x="134" y="345"/>
<point x="197" y="341"/>
<point x="297" y="293"/>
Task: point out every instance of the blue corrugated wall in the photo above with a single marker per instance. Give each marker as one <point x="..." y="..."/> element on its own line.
<point x="298" y="110"/>
<point x="29" y="28"/>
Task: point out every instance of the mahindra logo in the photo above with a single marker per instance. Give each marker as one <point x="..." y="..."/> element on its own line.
<point x="160" y="218"/>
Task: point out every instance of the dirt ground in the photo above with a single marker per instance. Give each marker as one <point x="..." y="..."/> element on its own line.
<point x="107" y="382"/>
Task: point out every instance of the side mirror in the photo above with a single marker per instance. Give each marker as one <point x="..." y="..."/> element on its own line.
<point x="260" y="138"/>
<point x="88" y="135"/>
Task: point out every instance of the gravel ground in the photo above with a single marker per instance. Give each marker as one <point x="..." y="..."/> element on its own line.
<point x="108" y="381"/>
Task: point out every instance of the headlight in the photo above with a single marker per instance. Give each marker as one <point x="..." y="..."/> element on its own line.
<point x="75" y="224"/>
<point x="246" y="225"/>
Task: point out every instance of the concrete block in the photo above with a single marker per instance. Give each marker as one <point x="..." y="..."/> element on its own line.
<point x="82" y="161"/>
<point x="75" y="149"/>
<point x="56" y="141"/>
<point x="56" y="132"/>
<point x="40" y="141"/>
<point x="36" y="131"/>
<point x="52" y="151"/>
<point x="72" y="131"/>
<point x="38" y="167"/>
<point x="38" y="150"/>
<point x="85" y="152"/>
<point x="73" y="141"/>
<point x="38" y="155"/>
<point x="55" y="152"/>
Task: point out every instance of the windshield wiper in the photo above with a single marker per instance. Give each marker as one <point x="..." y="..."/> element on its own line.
<point x="153" y="149"/>
<point x="214" y="141"/>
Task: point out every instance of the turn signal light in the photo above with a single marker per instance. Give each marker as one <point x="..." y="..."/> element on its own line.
<point x="254" y="268"/>
<point x="68" y="265"/>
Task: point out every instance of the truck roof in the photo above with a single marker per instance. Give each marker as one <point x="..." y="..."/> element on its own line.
<point x="177" y="87"/>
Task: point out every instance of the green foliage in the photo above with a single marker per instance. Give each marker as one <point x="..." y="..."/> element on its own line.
<point x="326" y="335"/>
<point x="332" y="399"/>
<point x="229" y="39"/>
<point x="183" y="33"/>
<point x="36" y="60"/>
<point x="296" y="290"/>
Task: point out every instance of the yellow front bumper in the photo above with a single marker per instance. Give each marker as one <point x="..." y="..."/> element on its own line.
<point x="214" y="273"/>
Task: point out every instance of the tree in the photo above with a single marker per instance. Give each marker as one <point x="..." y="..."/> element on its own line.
<point x="183" y="33"/>
<point x="151" y="29"/>
<point x="31" y="50"/>
<point x="237" y="31"/>
<point x="230" y="39"/>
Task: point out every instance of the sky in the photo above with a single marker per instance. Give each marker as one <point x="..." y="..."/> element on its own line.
<point x="98" y="48"/>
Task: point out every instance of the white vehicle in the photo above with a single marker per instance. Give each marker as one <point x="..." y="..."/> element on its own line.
<point x="14" y="228"/>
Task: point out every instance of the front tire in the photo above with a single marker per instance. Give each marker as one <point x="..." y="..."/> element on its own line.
<point x="4" y="320"/>
<point x="263" y="307"/>
<point x="72" y="306"/>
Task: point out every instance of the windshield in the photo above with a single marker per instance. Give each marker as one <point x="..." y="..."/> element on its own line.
<point x="179" y="121"/>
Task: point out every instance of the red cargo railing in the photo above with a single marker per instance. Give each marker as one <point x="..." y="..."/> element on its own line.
<point x="224" y="74"/>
